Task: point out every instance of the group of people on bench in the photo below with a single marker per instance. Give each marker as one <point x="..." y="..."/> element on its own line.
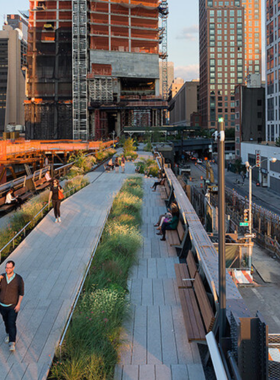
<point x="168" y="221"/>
<point x="12" y="199"/>
<point x="119" y="161"/>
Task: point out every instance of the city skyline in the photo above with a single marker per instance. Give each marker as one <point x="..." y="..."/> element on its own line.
<point x="183" y="35"/>
<point x="183" y="39"/>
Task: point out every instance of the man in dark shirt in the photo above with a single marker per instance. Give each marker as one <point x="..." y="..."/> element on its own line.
<point x="11" y="294"/>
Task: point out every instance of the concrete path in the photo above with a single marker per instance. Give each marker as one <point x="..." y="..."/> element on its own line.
<point x="156" y="345"/>
<point x="52" y="261"/>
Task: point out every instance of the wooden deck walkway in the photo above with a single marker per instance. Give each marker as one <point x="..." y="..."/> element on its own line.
<point x="52" y="262"/>
<point x="156" y="345"/>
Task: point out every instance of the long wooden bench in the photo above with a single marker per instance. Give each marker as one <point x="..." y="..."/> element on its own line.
<point x="175" y="237"/>
<point x="40" y="184"/>
<point x="22" y="192"/>
<point x="165" y="190"/>
<point x="197" y="311"/>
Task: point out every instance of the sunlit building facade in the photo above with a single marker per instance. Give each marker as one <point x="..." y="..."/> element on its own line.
<point x="272" y="69"/>
<point x="221" y="45"/>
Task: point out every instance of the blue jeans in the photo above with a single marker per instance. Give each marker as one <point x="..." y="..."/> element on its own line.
<point x="9" y="317"/>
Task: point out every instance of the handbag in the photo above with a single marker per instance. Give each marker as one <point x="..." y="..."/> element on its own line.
<point x="60" y="195"/>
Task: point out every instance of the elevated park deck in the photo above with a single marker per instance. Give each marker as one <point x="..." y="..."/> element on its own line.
<point x="53" y="260"/>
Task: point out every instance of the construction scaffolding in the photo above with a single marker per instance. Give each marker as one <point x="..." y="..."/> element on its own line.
<point x="79" y="69"/>
<point x="163" y="12"/>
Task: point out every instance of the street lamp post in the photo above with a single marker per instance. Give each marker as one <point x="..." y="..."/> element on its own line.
<point x="249" y="169"/>
<point x="113" y="133"/>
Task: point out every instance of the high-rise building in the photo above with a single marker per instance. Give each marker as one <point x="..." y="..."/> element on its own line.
<point x="272" y="70"/>
<point x="184" y="103"/>
<point x="252" y="37"/>
<point x="13" y="49"/>
<point x="17" y="21"/>
<point x="249" y="126"/>
<point x="93" y="68"/>
<point x="221" y="52"/>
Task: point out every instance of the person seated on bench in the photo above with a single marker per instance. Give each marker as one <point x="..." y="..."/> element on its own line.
<point x="11" y="199"/>
<point x="171" y="225"/>
<point x="173" y="207"/>
<point x="48" y="177"/>
<point x="155" y="185"/>
<point x="110" y="164"/>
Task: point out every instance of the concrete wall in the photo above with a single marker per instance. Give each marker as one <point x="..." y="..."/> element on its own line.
<point x="128" y="65"/>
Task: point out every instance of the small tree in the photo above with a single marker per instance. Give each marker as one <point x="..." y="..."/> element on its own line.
<point x="277" y="142"/>
<point x="128" y="145"/>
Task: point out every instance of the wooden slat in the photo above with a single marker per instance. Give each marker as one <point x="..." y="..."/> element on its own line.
<point x="180" y="230"/>
<point x="182" y="273"/>
<point x="191" y="264"/>
<point x="173" y="237"/>
<point x="193" y="322"/>
<point x="204" y="303"/>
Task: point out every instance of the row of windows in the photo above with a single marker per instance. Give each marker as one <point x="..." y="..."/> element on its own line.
<point x="231" y="55"/>
<point x="224" y="62"/>
<point x="231" y="12"/>
<point x="231" y="43"/>
<point x="225" y="50"/>
<point x="225" y="20"/>
<point x="219" y="26"/>
<point x="239" y="80"/>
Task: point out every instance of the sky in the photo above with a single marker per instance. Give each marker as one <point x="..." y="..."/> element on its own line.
<point x="183" y="36"/>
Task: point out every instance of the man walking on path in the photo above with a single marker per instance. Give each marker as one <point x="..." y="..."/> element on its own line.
<point x="11" y="294"/>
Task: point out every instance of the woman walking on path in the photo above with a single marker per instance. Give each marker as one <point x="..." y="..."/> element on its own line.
<point x="117" y="164"/>
<point x="56" y="199"/>
<point x="123" y="164"/>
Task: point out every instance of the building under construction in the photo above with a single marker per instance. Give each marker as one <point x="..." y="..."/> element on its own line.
<point x="93" y="67"/>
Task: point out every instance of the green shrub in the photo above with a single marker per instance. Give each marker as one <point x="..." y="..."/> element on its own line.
<point x="90" y="350"/>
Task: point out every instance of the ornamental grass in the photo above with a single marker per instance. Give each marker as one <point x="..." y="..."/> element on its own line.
<point x="90" y="349"/>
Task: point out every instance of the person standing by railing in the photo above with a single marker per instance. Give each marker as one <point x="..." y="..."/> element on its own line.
<point x="11" y="294"/>
<point x="56" y="196"/>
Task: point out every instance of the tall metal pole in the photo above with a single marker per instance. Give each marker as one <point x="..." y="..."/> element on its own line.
<point x="221" y="223"/>
<point x="250" y="217"/>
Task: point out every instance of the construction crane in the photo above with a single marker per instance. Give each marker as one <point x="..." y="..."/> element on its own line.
<point x="163" y="13"/>
<point x="209" y="182"/>
<point x="79" y="69"/>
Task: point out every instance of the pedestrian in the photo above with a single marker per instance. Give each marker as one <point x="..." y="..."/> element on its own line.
<point x="11" y="294"/>
<point x="110" y="164"/>
<point x="123" y="164"/>
<point x="117" y="164"/>
<point x="161" y="182"/>
<point x="12" y="199"/>
<point x="56" y="195"/>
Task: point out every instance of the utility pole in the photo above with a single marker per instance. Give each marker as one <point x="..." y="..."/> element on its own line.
<point x="221" y="224"/>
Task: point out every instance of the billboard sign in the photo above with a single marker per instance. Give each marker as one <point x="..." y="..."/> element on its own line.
<point x="258" y="158"/>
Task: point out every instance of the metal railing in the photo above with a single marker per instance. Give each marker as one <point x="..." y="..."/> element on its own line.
<point x="23" y="230"/>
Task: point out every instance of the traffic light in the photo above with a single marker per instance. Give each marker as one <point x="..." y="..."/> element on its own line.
<point x="246" y="215"/>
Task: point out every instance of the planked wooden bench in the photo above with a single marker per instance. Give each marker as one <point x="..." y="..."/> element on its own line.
<point x="197" y="311"/>
<point x="3" y="206"/>
<point x="165" y="191"/>
<point x="40" y="184"/>
<point x="175" y="237"/>
<point x="22" y="192"/>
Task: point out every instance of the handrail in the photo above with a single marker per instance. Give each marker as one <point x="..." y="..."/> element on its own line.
<point x="216" y="357"/>
<point x="34" y="217"/>
<point x="23" y="229"/>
